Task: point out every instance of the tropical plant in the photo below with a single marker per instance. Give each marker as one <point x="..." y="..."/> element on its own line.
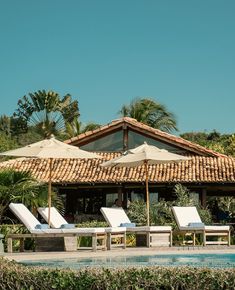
<point x="46" y="111"/>
<point x="75" y="128"/>
<point x="137" y="212"/>
<point x="222" y="143"/>
<point x="161" y="212"/>
<point x="6" y="142"/>
<point x="150" y="112"/>
<point x="5" y="124"/>
<point x="184" y="197"/>
<point x="20" y="186"/>
<point x="227" y="204"/>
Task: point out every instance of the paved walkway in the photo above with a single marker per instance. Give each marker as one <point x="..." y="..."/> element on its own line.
<point x="29" y="256"/>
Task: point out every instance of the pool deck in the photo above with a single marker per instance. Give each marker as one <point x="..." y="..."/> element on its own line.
<point x="30" y="256"/>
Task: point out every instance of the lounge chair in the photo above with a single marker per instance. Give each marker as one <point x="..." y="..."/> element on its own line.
<point x="189" y="221"/>
<point x="149" y="236"/>
<point x="42" y="233"/>
<point x="58" y="221"/>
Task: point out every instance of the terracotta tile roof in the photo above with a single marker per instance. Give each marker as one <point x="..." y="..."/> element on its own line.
<point x="199" y="169"/>
<point x="154" y="133"/>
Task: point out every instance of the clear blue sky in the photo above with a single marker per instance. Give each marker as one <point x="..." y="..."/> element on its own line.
<point x="105" y="53"/>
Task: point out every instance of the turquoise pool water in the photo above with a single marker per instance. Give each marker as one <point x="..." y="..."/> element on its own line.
<point x="194" y="260"/>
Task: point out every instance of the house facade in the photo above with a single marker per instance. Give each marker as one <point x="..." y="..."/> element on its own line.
<point x="86" y="186"/>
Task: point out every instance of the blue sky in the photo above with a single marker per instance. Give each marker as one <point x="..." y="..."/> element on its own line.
<point x="105" y="53"/>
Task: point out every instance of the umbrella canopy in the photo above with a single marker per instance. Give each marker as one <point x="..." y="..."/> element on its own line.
<point x="144" y="155"/>
<point x="50" y="148"/>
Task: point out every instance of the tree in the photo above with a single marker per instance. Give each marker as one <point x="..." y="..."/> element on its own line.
<point x="222" y="143"/>
<point x="150" y="112"/>
<point x="6" y="142"/>
<point x="5" y="125"/>
<point x="75" y="128"/>
<point x="20" y="186"/>
<point x="46" y="111"/>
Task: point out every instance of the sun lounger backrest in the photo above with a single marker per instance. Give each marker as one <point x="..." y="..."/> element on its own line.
<point x="115" y="216"/>
<point x="24" y="215"/>
<point x="184" y="215"/>
<point x="56" y="219"/>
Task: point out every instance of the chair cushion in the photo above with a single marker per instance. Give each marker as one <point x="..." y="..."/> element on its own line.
<point x="42" y="226"/>
<point x="128" y="225"/>
<point x="67" y="226"/>
<point x="196" y="225"/>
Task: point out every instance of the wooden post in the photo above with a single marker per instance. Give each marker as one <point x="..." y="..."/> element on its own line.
<point x="120" y="199"/>
<point x="49" y="192"/>
<point x="147" y="189"/>
<point x="203" y="200"/>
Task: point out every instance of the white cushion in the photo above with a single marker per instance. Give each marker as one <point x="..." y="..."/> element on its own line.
<point x="185" y="215"/>
<point x="114" y="216"/>
<point x="56" y="219"/>
<point x="24" y="215"/>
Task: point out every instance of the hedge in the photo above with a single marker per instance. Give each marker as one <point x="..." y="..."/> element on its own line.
<point x="20" y="277"/>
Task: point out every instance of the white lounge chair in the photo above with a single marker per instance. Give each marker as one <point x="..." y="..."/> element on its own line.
<point x="38" y="230"/>
<point x="147" y="235"/>
<point x="58" y="221"/>
<point x="189" y="221"/>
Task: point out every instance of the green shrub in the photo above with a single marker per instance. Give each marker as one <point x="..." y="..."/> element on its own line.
<point x="15" y="229"/>
<point x="19" y="277"/>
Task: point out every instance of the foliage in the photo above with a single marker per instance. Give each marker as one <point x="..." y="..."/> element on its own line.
<point x="75" y="128"/>
<point x="5" y="125"/>
<point x="137" y="212"/>
<point x="182" y="196"/>
<point x="20" y="186"/>
<point x="161" y="213"/>
<point x="227" y="204"/>
<point x="46" y="111"/>
<point x="6" y="142"/>
<point x="92" y="224"/>
<point x="29" y="137"/>
<point x="12" y="228"/>
<point x="185" y="198"/>
<point x="150" y="112"/>
<point x="20" y="277"/>
<point x="222" y="143"/>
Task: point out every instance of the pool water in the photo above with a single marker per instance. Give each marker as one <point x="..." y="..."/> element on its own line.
<point x="195" y="260"/>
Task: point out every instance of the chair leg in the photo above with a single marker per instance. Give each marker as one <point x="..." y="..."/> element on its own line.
<point x="194" y="239"/>
<point x="204" y="238"/>
<point x="9" y="245"/>
<point x="109" y="241"/>
<point x="148" y="237"/>
<point x="94" y="242"/>
<point x="124" y="240"/>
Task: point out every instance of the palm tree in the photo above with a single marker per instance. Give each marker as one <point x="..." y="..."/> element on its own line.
<point x="75" y="128"/>
<point x="20" y="186"/>
<point x="45" y="111"/>
<point x="150" y="112"/>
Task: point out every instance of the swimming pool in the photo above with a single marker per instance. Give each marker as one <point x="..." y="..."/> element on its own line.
<point x="195" y="260"/>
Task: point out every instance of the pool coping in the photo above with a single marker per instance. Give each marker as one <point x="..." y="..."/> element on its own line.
<point x="135" y="251"/>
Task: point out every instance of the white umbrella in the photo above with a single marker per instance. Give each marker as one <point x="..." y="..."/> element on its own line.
<point x="144" y="155"/>
<point x="50" y="148"/>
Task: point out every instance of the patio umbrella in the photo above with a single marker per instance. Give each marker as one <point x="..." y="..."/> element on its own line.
<point x="50" y="148"/>
<point x="144" y="155"/>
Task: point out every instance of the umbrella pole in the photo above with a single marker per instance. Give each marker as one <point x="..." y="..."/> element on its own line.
<point x="147" y="189"/>
<point x="49" y="192"/>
